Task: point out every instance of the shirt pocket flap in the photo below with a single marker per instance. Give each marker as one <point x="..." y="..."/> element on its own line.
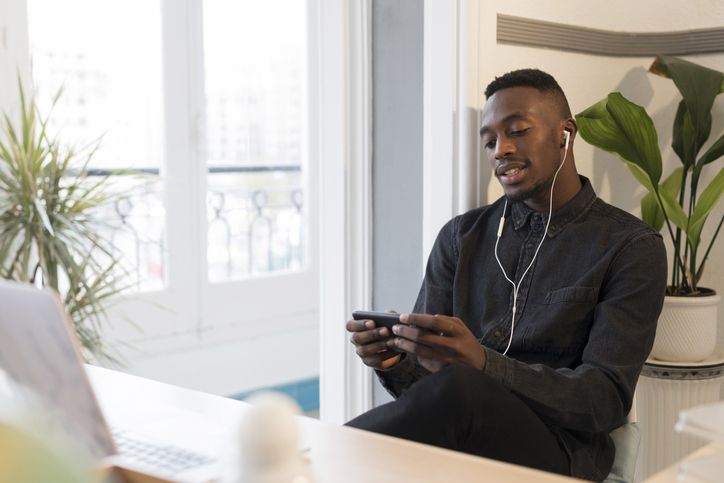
<point x="572" y="294"/>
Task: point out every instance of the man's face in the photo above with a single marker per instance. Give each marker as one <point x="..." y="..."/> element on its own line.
<point x="521" y="136"/>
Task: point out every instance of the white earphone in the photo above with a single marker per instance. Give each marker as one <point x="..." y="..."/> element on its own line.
<point x="567" y="136"/>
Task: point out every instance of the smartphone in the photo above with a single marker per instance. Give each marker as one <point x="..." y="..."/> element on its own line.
<point x="381" y="319"/>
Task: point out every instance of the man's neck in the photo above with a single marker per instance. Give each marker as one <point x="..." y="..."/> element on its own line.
<point x="563" y="192"/>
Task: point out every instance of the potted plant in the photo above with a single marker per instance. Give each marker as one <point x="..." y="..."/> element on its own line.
<point x="49" y="234"/>
<point x="687" y="326"/>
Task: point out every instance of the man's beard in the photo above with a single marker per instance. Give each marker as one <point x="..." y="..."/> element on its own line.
<point x="532" y="192"/>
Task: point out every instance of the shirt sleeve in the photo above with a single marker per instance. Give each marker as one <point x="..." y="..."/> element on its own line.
<point x="597" y="394"/>
<point x="402" y="375"/>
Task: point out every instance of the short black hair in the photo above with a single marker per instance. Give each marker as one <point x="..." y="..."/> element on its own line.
<point x="535" y="78"/>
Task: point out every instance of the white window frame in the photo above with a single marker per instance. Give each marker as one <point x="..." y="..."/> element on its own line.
<point x="190" y="311"/>
<point x="454" y="180"/>
<point x="345" y="155"/>
<point x="13" y="52"/>
<point x="211" y="312"/>
<point x="457" y="42"/>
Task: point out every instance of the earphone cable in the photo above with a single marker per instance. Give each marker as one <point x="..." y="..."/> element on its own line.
<point x="516" y="287"/>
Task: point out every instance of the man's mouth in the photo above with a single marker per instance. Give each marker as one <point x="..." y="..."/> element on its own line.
<point x="510" y="169"/>
<point x="511" y="174"/>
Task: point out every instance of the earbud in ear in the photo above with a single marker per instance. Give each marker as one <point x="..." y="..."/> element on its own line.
<point x="567" y="135"/>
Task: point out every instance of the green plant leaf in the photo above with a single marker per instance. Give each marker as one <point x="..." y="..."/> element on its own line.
<point x="651" y="211"/>
<point x="48" y="230"/>
<point x="683" y="140"/>
<point x="674" y="211"/>
<point x="707" y="201"/>
<point x="698" y="85"/>
<point x="44" y="216"/>
<point x="677" y="138"/>
<point x="620" y="127"/>
<point x="714" y="152"/>
<point x="638" y="173"/>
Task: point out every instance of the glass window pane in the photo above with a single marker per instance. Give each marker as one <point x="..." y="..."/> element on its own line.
<point x="107" y="57"/>
<point x="255" y="75"/>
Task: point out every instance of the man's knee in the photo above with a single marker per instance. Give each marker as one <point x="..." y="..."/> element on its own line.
<point x="459" y="388"/>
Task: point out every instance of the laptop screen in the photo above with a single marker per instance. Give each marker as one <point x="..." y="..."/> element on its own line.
<point x="39" y="351"/>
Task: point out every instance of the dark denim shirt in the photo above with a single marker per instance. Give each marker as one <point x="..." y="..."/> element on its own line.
<point x="586" y="315"/>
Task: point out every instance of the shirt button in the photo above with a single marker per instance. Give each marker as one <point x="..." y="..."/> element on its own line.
<point x="530" y="245"/>
<point x="497" y="333"/>
<point x="553" y="227"/>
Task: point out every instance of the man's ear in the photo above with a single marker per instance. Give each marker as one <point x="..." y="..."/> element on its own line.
<point x="571" y="127"/>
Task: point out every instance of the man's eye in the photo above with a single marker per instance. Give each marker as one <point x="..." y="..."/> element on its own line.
<point x="490" y="144"/>
<point x="519" y="132"/>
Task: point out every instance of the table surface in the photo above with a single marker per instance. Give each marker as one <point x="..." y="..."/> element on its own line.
<point x="669" y="474"/>
<point x="337" y="453"/>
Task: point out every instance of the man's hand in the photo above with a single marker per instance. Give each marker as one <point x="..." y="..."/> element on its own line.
<point x="447" y="341"/>
<point x="373" y="345"/>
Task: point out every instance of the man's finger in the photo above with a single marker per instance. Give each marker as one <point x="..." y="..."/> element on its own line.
<point x="375" y="361"/>
<point x="417" y="334"/>
<point x="371" y="349"/>
<point x="367" y="336"/>
<point x="439" y="324"/>
<point x="359" y="325"/>
<point x="419" y="350"/>
<point x="421" y="320"/>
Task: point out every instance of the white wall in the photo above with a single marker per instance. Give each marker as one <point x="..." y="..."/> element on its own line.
<point x="13" y="52"/>
<point x="587" y="79"/>
<point x="237" y="365"/>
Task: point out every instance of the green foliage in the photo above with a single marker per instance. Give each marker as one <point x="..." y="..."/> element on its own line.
<point x="49" y="231"/>
<point x="620" y="127"/>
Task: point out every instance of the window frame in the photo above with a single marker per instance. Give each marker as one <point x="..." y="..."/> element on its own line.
<point x="190" y="311"/>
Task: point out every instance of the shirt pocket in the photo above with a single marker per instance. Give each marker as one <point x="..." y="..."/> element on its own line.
<point x="560" y="324"/>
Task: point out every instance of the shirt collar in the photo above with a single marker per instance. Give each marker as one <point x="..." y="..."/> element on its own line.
<point x="522" y="214"/>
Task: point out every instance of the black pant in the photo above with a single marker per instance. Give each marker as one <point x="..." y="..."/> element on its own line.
<point x="463" y="409"/>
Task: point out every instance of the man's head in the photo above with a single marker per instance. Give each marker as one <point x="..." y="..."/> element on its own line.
<point x="545" y="83"/>
<point x="524" y="125"/>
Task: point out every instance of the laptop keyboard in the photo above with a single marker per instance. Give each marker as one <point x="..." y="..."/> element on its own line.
<point x="166" y="457"/>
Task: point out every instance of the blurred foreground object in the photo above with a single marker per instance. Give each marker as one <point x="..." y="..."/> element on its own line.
<point x="268" y="442"/>
<point x="27" y="459"/>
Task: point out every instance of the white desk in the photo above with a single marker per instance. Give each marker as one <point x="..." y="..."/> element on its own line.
<point x="668" y="475"/>
<point x="337" y="453"/>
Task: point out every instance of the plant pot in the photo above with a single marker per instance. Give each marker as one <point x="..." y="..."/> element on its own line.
<point x="687" y="328"/>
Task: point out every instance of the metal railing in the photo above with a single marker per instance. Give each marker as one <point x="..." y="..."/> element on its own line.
<point x="250" y="230"/>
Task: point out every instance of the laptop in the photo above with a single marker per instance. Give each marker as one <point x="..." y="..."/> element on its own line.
<point x="39" y="353"/>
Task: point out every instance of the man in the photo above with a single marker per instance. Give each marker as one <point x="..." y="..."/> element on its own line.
<point x="526" y="342"/>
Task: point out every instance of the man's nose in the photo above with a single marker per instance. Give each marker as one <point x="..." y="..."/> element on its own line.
<point x="504" y="147"/>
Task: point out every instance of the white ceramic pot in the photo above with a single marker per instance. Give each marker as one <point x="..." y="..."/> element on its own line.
<point x="687" y="328"/>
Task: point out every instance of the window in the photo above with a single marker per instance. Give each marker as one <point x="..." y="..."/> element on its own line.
<point x="212" y="97"/>
<point x="112" y="88"/>
<point x="254" y="60"/>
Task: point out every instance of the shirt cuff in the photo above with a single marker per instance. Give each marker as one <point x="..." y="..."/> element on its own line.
<point x="499" y="367"/>
<point x="402" y="375"/>
<point x="398" y="370"/>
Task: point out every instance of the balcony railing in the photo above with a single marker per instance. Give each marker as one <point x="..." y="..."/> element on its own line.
<point x="256" y="223"/>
